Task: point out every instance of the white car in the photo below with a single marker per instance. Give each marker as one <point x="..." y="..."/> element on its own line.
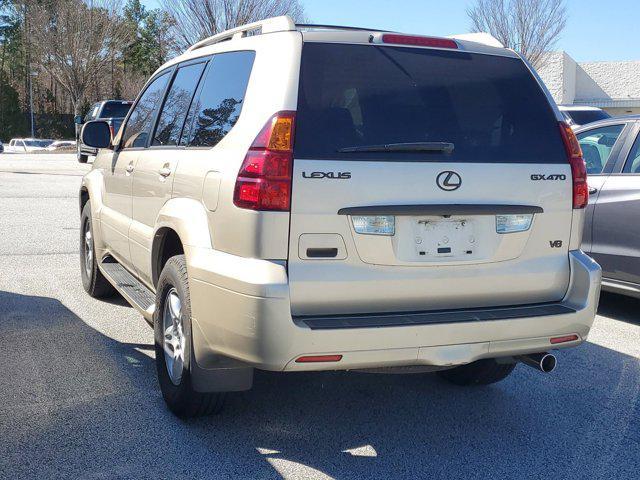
<point x="577" y="115"/>
<point x="27" y="145"/>
<point x="58" y="144"/>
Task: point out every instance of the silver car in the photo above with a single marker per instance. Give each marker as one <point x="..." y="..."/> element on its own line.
<point x="611" y="150"/>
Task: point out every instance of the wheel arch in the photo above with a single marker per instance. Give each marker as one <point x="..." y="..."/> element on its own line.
<point x="83" y="197"/>
<point x="166" y="244"/>
<point x="181" y="223"/>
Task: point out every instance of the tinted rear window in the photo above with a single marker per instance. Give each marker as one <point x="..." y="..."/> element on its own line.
<point x="115" y="110"/>
<point x="582" y="117"/>
<point x="489" y="107"/>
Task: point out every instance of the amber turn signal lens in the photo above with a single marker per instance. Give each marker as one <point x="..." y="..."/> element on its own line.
<point x="281" y="134"/>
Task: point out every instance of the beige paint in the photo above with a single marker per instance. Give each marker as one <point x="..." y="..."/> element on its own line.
<point x="245" y="285"/>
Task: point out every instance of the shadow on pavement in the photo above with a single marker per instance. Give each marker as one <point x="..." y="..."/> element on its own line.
<point x="619" y="307"/>
<point x="77" y="404"/>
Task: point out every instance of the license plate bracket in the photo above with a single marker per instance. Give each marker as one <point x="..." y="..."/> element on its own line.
<point x="445" y="238"/>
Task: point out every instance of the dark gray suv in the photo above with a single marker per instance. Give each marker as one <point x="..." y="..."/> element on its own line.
<point x="611" y="150"/>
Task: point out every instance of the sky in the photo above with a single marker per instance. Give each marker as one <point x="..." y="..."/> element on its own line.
<point x="596" y="30"/>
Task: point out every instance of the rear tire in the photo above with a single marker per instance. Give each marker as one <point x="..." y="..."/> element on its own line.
<point x="93" y="281"/>
<point x="481" y="372"/>
<point x="173" y="345"/>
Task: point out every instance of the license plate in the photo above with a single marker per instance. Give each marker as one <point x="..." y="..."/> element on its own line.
<point x="445" y="238"/>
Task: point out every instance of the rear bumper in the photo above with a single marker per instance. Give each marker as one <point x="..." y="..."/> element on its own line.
<point x="241" y="311"/>
<point x="84" y="150"/>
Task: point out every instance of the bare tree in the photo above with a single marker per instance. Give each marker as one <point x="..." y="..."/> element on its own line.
<point x="76" y="42"/>
<point x="531" y="27"/>
<point x="193" y="20"/>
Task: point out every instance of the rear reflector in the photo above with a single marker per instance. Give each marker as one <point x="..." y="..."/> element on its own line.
<point x="319" y="358"/>
<point x="419" y="41"/>
<point x="565" y="339"/>
<point x="578" y="167"/>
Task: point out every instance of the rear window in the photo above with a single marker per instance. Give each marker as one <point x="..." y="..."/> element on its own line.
<point x="115" y="110"/>
<point x="582" y="117"/>
<point x="489" y="107"/>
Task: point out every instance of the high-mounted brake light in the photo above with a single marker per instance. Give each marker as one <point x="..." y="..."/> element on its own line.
<point x="264" y="180"/>
<point x="419" y="41"/>
<point x="578" y="167"/>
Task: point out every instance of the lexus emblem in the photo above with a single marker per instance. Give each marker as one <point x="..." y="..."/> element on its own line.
<point x="449" y="181"/>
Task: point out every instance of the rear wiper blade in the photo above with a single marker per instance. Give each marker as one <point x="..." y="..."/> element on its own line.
<point x="438" y="147"/>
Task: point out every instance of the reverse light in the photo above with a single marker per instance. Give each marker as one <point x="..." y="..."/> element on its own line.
<point x="419" y="41"/>
<point x="264" y="180"/>
<point x="513" y="223"/>
<point x="578" y="167"/>
<point x="374" y="225"/>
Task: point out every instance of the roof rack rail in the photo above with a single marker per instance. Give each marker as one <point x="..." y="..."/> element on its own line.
<point x="313" y="26"/>
<point x="269" y="25"/>
<point x="479" y="37"/>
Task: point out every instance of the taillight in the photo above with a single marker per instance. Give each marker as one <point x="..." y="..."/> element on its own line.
<point x="113" y="133"/>
<point x="419" y="41"/>
<point x="264" y="180"/>
<point x="578" y="167"/>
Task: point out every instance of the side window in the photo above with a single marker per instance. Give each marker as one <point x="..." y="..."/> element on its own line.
<point x="138" y="127"/>
<point x="218" y="106"/>
<point x="596" y="146"/>
<point x="633" y="160"/>
<point x="92" y="113"/>
<point x="176" y="104"/>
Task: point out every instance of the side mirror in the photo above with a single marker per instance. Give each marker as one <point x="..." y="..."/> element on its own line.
<point x="77" y="119"/>
<point x="96" y="134"/>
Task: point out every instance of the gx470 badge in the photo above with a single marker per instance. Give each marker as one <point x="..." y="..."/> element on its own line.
<point x="541" y="176"/>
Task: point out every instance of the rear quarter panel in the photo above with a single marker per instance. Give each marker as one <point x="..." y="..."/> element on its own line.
<point x="209" y="174"/>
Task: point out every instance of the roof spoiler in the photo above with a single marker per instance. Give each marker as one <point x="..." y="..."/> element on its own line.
<point x="479" y="37"/>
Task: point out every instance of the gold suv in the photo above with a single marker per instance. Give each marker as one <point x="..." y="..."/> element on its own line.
<point x="295" y="197"/>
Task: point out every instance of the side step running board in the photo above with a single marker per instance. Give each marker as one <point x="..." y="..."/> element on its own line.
<point x="134" y="291"/>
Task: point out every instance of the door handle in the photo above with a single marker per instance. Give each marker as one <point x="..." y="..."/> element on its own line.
<point x="593" y="190"/>
<point x="130" y="168"/>
<point x="164" y="172"/>
<point x="322" y="252"/>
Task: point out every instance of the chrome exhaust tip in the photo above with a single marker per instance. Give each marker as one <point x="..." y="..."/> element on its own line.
<point x="543" y="362"/>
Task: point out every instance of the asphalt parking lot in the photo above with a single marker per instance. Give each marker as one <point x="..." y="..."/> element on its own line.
<point x="78" y="393"/>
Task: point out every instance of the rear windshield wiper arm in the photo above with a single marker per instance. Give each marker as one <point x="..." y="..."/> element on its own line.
<point x="438" y="147"/>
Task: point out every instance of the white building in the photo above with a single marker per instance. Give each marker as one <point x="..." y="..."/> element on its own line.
<point x="612" y="86"/>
